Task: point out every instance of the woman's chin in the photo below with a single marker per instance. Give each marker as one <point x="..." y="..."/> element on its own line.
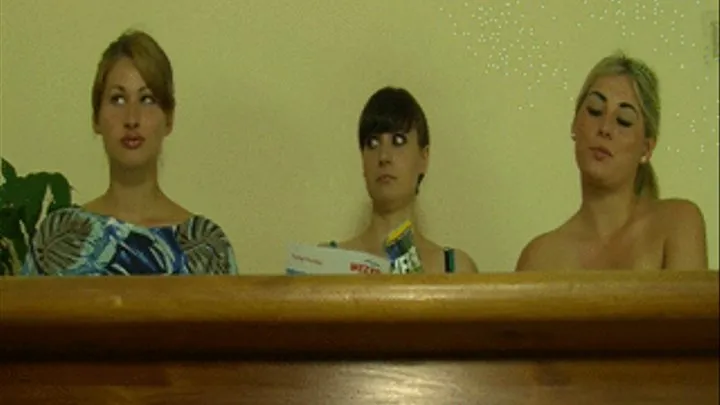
<point x="594" y="170"/>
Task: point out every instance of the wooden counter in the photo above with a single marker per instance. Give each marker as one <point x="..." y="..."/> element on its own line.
<point x="525" y="338"/>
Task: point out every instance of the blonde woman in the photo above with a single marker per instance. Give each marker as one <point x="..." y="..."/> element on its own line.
<point x="133" y="228"/>
<point x="621" y="223"/>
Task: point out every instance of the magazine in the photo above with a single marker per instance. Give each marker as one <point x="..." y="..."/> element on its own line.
<point x="308" y="259"/>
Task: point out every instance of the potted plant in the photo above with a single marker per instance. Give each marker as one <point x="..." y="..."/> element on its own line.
<point x="22" y="203"/>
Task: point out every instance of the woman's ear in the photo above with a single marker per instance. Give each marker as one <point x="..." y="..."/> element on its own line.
<point x="650" y="144"/>
<point x="425" y="153"/>
<point x="170" y="122"/>
<point x="573" y="132"/>
<point x="95" y="126"/>
<point x="421" y="177"/>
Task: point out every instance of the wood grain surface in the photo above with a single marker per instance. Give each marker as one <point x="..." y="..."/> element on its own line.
<point x="691" y="381"/>
<point x="531" y="338"/>
<point x="580" y="311"/>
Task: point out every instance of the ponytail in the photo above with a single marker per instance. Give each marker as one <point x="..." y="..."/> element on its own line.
<point x="646" y="183"/>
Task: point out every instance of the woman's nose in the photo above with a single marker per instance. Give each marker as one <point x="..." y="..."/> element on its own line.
<point x="132" y="116"/>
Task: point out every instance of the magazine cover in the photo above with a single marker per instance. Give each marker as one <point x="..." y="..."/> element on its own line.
<point x="308" y="259"/>
<point x="401" y="250"/>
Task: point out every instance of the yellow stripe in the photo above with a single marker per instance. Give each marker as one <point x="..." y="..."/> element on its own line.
<point x="398" y="232"/>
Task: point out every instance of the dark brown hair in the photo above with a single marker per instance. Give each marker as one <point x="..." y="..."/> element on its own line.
<point x="393" y="109"/>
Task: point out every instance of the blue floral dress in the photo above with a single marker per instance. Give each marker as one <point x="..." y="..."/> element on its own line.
<point x="74" y="242"/>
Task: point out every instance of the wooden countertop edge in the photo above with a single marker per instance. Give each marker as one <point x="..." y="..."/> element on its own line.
<point x="549" y="296"/>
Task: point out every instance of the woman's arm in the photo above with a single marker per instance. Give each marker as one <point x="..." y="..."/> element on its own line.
<point x="464" y="263"/>
<point x="524" y="261"/>
<point x="686" y="244"/>
<point x="229" y="260"/>
<point x="530" y="257"/>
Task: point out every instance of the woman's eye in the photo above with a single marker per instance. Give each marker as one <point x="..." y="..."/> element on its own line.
<point x="117" y="99"/>
<point x="399" y="139"/>
<point x="624" y="123"/>
<point x="373" y="142"/>
<point x="148" y="100"/>
<point x="594" y="112"/>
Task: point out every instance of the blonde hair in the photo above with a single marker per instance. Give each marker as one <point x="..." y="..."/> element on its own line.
<point x="149" y="59"/>
<point x="647" y="89"/>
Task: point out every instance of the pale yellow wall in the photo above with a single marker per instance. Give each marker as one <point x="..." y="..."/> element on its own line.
<point x="269" y="93"/>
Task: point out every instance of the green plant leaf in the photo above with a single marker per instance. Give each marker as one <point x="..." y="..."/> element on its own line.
<point x="9" y="223"/>
<point x="12" y="193"/>
<point x="8" y="171"/>
<point x="61" y="192"/>
<point x="34" y="189"/>
<point x="6" y="263"/>
<point x="10" y="229"/>
<point x="21" y="202"/>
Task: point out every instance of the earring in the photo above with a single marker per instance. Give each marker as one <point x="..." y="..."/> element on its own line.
<point x="643" y="159"/>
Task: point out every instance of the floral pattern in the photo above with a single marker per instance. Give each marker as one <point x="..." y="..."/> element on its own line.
<point x="74" y="242"/>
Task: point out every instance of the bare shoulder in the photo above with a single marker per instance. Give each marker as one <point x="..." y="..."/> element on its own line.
<point x="680" y="219"/>
<point x="96" y="206"/>
<point x="166" y="212"/>
<point x="464" y="263"/>
<point x="679" y="209"/>
<point x="676" y="217"/>
<point x="685" y="243"/>
<point x="540" y="252"/>
<point x="177" y="213"/>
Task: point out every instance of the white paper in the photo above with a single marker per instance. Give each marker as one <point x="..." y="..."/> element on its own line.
<point x="308" y="259"/>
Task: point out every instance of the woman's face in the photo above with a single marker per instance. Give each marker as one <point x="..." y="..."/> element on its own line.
<point x="130" y="121"/>
<point x="392" y="164"/>
<point x="609" y="132"/>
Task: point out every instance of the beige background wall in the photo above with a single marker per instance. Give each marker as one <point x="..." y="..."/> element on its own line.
<point x="269" y="93"/>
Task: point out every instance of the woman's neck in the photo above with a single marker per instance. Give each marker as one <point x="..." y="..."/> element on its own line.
<point x="604" y="211"/>
<point x="384" y="222"/>
<point x="133" y="193"/>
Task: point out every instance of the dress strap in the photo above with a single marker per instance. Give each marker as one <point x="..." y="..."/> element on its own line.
<point x="449" y="260"/>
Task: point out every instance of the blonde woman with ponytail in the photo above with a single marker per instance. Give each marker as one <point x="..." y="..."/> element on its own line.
<point x="622" y="224"/>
